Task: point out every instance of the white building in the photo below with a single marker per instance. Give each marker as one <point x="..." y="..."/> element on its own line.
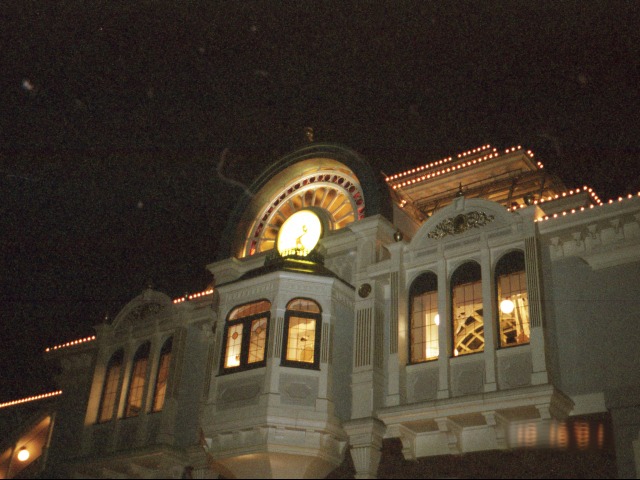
<point x="470" y="304"/>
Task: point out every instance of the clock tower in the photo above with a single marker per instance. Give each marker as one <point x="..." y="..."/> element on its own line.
<point x="286" y="318"/>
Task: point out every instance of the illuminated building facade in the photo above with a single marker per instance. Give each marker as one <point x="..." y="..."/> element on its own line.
<point x="472" y="304"/>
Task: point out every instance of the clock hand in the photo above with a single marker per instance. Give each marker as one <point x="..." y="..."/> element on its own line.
<point x="299" y="245"/>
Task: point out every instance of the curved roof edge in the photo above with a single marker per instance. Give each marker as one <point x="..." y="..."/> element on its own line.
<point x="376" y="193"/>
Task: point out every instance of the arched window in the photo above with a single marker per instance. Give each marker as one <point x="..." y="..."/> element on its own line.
<point x="466" y="309"/>
<point x="160" y="389"/>
<point x="423" y="297"/>
<point x="133" y="405"/>
<point x="245" y="338"/>
<point x="512" y="299"/>
<point x="302" y="322"/>
<point x="110" y="387"/>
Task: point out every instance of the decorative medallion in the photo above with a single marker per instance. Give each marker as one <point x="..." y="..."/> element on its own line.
<point x="460" y="224"/>
<point x="364" y="290"/>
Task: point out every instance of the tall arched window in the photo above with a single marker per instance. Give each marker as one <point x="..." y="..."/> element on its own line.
<point x="467" y="310"/>
<point x="512" y="299"/>
<point x="245" y="339"/>
<point x="133" y="405"/>
<point x="110" y="387"/>
<point x="162" y="377"/>
<point x="302" y="322"/>
<point x="423" y="296"/>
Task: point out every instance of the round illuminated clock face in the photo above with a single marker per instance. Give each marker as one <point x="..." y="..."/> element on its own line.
<point x="319" y="184"/>
<point x="299" y="234"/>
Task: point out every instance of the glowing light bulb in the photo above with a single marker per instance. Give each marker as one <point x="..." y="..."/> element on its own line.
<point x="506" y="306"/>
<point x="23" y="454"/>
<point x="436" y="319"/>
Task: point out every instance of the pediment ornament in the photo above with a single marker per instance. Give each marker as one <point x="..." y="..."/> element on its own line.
<point x="140" y="313"/>
<point x="460" y="224"/>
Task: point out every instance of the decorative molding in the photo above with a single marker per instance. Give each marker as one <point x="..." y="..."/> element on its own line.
<point x="301" y="287"/>
<point x="298" y="390"/>
<point x="468" y="378"/>
<point x="139" y="314"/>
<point x="605" y="243"/>
<point x="453" y="433"/>
<point x="515" y="370"/>
<point x="423" y="385"/>
<point x="378" y="338"/>
<point x="364" y="325"/>
<point x="252" y="291"/>
<point x="460" y="224"/>
<point x="241" y="393"/>
<point x="326" y="341"/>
<point x="532" y="265"/>
<point x="278" y="327"/>
<point x="393" y="328"/>
<point x="343" y="298"/>
<point x="275" y="439"/>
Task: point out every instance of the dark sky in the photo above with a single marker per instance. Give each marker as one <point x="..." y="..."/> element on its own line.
<point x="114" y="117"/>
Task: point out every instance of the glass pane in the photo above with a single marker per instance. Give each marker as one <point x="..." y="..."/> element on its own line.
<point x="250" y="309"/>
<point x="301" y="340"/>
<point x="303" y="305"/>
<point x="468" y="322"/>
<point x="234" y="346"/>
<point x="136" y="388"/>
<point x="257" y="340"/>
<point x="161" y="381"/>
<point x="424" y="327"/>
<point x="513" y="309"/>
<point x="109" y="393"/>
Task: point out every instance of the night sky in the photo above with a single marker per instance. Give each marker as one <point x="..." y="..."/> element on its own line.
<point x="114" y="117"/>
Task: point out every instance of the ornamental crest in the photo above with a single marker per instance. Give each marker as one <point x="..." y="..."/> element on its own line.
<point x="460" y="224"/>
<point x="139" y="314"/>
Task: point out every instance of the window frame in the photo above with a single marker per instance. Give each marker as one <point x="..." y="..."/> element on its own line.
<point x="141" y="355"/>
<point x="116" y="360"/>
<point x="511" y="263"/>
<point x="425" y="283"/>
<point x="469" y="273"/>
<point x="317" y="316"/>
<point x="246" y="323"/>
<point x="166" y="350"/>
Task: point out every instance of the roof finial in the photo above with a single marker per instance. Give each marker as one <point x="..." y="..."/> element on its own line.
<point x="308" y="131"/>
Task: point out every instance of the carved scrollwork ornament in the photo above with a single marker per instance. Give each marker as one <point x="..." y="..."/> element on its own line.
<point x="460" y="224"/>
